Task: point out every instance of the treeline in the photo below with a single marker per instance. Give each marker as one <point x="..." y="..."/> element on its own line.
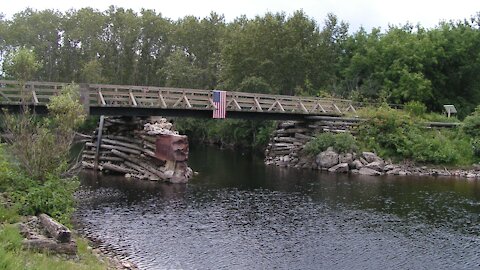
<point x="273" y="53"/>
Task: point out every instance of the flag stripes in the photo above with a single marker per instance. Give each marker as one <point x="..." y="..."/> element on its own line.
<point x="220" y="102"/>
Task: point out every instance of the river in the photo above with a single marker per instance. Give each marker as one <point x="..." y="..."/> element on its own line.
<point x="239" y="214"/>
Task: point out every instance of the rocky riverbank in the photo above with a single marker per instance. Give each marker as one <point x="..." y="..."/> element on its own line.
<point x="286" y="149"/>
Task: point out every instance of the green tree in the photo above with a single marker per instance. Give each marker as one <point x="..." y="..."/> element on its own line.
<point x="92" y="72"/>
<point x="83" y="43"/>
<point x="180" y="71"/>
<point x="155" y="46"/>
<point x="21" y="65"/>
<point x="39" y="30"/>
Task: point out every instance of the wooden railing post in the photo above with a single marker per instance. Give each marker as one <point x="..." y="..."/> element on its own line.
<point x="85" y="97"/>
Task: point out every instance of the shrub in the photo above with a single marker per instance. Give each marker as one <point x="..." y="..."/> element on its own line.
<point x="415" y="108"/>
<point x="471" y="123"/>
<point x="53" y="197"/>
<point x="42" y="145"/>
<point x="341" y="142"/>
<point x="393" y="133"/>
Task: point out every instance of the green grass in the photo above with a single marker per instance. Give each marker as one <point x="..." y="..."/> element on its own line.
<point x="27" y="194"/>
<point x="13" y="256"/>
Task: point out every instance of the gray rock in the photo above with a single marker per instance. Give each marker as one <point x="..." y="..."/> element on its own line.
<point x="370" y="157"/>
<point x="364" y="162"/>
<point x="376" y="165"/>
<point x="390" y="167"/>
<point x="393" y="171"/>
<point x="357" y="164"/>
<point x="368" y="171"/>
<point x="403" y="173"/>
<point x="340" y="168"/>
<point x="471" y="175"/>
<point x="354" y="171"/>
<point x="327" y="159"/>
<point x="345" y="158"/>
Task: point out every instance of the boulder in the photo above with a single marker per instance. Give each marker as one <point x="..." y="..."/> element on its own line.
<point x="393" y="171"/>
<point x="376" y="165"/>
<point x="327" y="159"/>
<point x="403" y="173"/>
<point x="368" y="171"/>
<point x="370" y="157"/>
<point x="356" y="164"/>
<point x="364" y="162"/>
<point x="390" y="167"/>
<point x="340" y="168"/>
<point x="345" y="158"/>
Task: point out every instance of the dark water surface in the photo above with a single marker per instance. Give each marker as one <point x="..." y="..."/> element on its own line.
<point x="239" y="214"/>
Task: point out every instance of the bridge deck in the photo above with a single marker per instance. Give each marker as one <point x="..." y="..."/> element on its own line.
<point x="148" y="100"/>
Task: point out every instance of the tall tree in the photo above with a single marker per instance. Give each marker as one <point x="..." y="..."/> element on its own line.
<point x="41" y="31"/>
<point x="155" y="46"/>
<point x="82" y="41"/>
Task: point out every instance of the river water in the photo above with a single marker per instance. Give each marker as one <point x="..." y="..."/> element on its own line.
<point x="239" y="214"/>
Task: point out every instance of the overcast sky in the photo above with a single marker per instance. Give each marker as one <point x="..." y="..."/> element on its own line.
<point x="367" y="13"/>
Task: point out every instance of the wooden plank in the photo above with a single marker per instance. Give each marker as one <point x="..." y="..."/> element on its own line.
<point x="34" y="96"/>
<point x="4" y="96"/>
<point x="257" y="104"/>
<point x="102" y="100"/>
<point x="99" y="141"/>
<point x="302" y="107"/>
<point x="58" y="231"/>
<point x="187" y="102"/>
<point x="132" y="98"/>
<point x="336" y="108"/>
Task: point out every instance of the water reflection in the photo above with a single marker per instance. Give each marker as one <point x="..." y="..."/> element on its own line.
<point x="239" y="214"/>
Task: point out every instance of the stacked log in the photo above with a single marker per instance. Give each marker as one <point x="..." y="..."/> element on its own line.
<point x="287" y="142"/>
<point x="128" y="147"/>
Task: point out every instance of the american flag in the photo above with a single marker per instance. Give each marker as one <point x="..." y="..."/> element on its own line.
<point x="220" y="101"/>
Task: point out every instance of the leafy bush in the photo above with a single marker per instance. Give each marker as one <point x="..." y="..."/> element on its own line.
<point x="395" y="134"/>
<point x="54" y="197"/>
<point x="471" y="123"/>
<point x="42" y="145"/>
<point x="416" y="108"/>
<point x="340" y="142"/>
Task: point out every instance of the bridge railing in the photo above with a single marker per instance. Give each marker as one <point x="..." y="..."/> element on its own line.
<point x="39" y="93"/>
<point x="36" y="93"/>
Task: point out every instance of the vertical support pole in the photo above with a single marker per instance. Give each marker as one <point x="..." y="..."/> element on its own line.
<point x="99" y="142"/>
<point x="85" y="97"/>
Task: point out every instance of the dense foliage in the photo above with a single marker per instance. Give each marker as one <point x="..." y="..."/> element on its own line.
<point x="400" y="135"/>
<point x="41" y="145"/>
<point x="341" y="142"/>
<point x="273" y="53"/>
<point x="53" y="196"/>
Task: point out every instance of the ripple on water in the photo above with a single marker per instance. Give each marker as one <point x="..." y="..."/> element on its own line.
<point x="264" y="229"/>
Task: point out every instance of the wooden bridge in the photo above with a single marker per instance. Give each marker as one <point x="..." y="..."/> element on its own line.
<point x="126" y="100"/>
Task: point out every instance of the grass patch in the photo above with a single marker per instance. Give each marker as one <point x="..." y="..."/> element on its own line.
<point x="13" y="257"/>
